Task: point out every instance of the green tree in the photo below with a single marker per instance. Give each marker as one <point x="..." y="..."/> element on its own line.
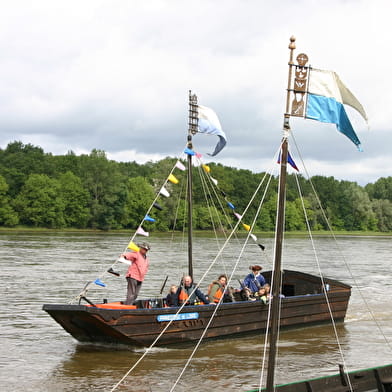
<point x="356" y="208"/>
<point x="75" y="200"/>
<point x="381" y="189"/>
<point x="20" y="160"/>
<point x="107" y="188"/>
<point x="8" y="217"/>
<point x="39" y="202"/>
<point x="140" y="196"/>
<point x="383" y="211"/>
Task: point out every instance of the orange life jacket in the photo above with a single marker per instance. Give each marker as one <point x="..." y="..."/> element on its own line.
<point x="182" y="297"/>
<point x="218" y="294"/>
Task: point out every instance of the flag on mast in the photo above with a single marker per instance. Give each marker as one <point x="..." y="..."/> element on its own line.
<point x="209" y="123"/>
<point x="326" y="96"/>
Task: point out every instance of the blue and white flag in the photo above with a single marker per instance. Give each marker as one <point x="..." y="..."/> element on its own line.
<point x="209" y="123"/>
<point x="326" y="96"/>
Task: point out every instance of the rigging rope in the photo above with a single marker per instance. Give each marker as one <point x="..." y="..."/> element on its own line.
<point x="341" y="253"/>
<point x="183" y="305"/>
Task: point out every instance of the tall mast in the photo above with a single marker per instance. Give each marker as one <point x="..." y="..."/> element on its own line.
<point x="192" y="129"/>
<point x="295" y="108"/>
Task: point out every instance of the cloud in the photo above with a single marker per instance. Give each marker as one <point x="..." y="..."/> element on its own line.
<point x="115" y="76"/>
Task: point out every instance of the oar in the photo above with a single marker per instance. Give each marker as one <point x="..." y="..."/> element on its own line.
<point x="164" y="284"/>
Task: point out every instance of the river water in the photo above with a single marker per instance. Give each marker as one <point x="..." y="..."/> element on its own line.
<point x="37" y="355"/>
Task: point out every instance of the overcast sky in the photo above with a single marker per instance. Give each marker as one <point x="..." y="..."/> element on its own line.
<point x="114" y="75"/>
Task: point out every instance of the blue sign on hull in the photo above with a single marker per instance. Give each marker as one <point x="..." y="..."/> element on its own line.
<point x="180" y="316"/>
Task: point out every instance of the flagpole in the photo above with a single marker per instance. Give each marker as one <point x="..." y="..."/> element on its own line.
<point x="192" y="129"/>
<point x="277" y="273"/>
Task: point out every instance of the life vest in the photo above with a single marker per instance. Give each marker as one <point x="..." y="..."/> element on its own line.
<point x="182" y="297"/>
<point x="218" y="294"/>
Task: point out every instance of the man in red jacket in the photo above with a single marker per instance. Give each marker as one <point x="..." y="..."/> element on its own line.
<point x="136" y="271"/>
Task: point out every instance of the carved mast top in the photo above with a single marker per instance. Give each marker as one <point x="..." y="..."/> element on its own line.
<point x="193" y="114"/>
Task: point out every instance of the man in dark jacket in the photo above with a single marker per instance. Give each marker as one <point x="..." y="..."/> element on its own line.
<point x="189" y="293"/>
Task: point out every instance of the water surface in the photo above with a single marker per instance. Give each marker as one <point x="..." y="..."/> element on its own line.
<point x="37" y="355"/>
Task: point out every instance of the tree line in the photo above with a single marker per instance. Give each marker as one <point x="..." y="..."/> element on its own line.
<point x="38" y="189"/>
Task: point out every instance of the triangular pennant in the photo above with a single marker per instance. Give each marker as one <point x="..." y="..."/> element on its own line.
<point x="133" y="246"/>
<point x="238" y="216"/>
<point x="214" y="181"/>
<point x="254" y="238"/>
<point x="164" y="192"/>
<point x="180" y="166"/>
<point x="223" y="193"/>
<point x="230" y="205"/>
<point x="141" y="231"/>
<point x="149" y="219"/>
<point x="290" y="160"/>
<point x="246" y="227"/>
<point x="198" y="155"/>
<point x="157" y="206"/>
<point x="173" y="179"/>
<point x="206" y="168"/>
<point x="262" y="247"/>
<point x="189" y="151"/>
<point x="124" y="260"/>
<point x="112" y="271"/>
<point x="99" y="282"/>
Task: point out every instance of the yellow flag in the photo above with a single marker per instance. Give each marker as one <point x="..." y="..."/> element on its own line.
<point x="246" y="227"/>
<point x="206" y="168"/>
<point x="173" y="179"/>
<point x="133" y="246"/>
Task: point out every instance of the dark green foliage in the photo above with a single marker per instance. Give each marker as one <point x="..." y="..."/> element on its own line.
<point x="42" y="190"/>
<point x="39" y="203"/>
<point x="8" y="217"/>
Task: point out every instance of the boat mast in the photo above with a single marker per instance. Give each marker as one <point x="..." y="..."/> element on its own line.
<point x="297" y="108"/>
<point x="192" y="129"/>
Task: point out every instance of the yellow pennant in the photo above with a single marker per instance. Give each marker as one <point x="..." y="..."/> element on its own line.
<point x="246" y="227"/>
<point x="206" y="168"/>
<point x="133" y="246"/>
<point x="173" y="179"/>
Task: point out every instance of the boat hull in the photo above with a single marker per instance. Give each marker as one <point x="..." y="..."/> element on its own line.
<point x="366" y="380"/>
<point x="141" y="327"/>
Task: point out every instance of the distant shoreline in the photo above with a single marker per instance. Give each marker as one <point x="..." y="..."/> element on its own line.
<point x="196" y="232"/>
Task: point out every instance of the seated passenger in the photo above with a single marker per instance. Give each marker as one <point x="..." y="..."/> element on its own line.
<point x="218" y="289"/>
<point x="189" y="293"/>
<point x="254" y="281"/>
<point x="262" y="295"/>
<point x="171" y="298"/>
<point x="267" y="290"/>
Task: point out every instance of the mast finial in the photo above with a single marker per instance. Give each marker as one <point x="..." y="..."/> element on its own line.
<point x="292" y="43"/>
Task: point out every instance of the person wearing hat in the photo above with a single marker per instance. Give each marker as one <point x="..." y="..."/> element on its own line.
<point x="136" y="271"/>
<point x="254" y="281"/>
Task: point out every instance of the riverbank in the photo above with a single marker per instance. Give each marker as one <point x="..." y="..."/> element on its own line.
<point x="200" y="233"/>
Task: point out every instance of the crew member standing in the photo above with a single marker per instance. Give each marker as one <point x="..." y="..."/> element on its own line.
<point x="136" y="271"/>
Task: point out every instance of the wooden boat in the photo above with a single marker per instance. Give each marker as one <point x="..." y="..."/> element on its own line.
<point x="304" y="304"/>
<point x="307" y="300"/>
<point x="377" y="379"/>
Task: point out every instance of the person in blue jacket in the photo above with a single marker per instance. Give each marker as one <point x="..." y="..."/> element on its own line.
<point x="254" y="281"/>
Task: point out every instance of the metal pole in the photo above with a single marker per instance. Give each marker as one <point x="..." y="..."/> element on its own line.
<point x="277" y="273"/>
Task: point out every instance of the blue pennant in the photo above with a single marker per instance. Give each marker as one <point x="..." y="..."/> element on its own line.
<point x="189" y="151"/>
<point x="99" y="282"/>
